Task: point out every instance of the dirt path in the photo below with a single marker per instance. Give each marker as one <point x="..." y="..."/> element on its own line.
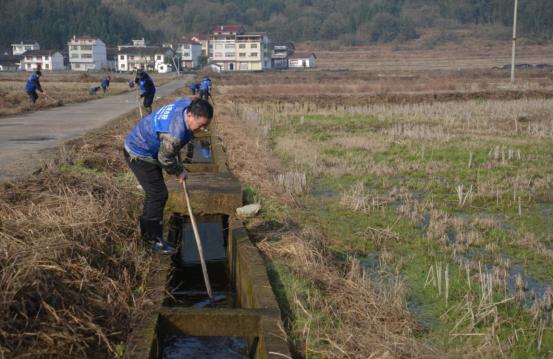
<point x="23" y="138"/>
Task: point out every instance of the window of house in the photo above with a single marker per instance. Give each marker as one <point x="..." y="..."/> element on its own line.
<point x="229" y="54"/>
<point x="253" y="46"/>
<point x="46" y="66"/>
<point x="74" y="56"/>
<point x="86" y="56"/>
<point x="122" y="57"/>
<point x="86" y="47"/>
<point x="229" y="46"/>
<point x="254" y="54"/>
<point x="218" y="54"/>
<point x="242" y="46"/>
<point x="123" y="66"/>
<point x="186" y="54"/>
<point x="242" y="54"/>
<point x="158" y="57"/>
<point x="131" y="57"/>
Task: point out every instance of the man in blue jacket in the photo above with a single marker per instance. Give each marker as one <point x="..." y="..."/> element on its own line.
<point x="33" y="84"/>
<point x="154" y="144"/>
<point x="194" y="87"/>
<point x="147" y="88"/>
<point x="205" y="88"/>
<point x="105" y="84"/>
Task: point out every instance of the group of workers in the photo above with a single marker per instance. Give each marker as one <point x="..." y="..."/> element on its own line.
<point x="203" y="88"/>
<point x="154" y="145"/>
<point x="104" y="84"/>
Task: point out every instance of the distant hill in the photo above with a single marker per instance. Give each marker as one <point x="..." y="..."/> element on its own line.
<point x="53" y="22"/>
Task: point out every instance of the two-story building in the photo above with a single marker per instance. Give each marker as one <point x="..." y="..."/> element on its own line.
<point x="24" y="46"/>
<point x="189" y="55"/>
<point x="149" y="58"/>
<point x="223" y="40"/>
<point x="87" y="53"/>
<point x="252" y="51"/>
<point x="45" y="60"/>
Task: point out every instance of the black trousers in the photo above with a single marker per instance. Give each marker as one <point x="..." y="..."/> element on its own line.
<point x="148" y="100"/>
<point x="150" y="178"/>
<point x="33" y="96"/>
<point x="204" y="95"/>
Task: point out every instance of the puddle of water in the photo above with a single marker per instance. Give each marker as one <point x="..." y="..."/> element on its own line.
<point x="178" y="347"/>
<point x="9" y="124"/>
<point x="213" y="242"/>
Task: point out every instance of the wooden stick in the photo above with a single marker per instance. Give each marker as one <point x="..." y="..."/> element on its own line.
<point x="199" y="245"/>
<point x="139" y="107"/>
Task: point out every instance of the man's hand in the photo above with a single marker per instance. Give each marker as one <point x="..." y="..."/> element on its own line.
<point x="182" y="176"/>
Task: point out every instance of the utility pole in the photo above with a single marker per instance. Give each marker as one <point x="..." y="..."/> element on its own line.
<point x="514" y="42"/>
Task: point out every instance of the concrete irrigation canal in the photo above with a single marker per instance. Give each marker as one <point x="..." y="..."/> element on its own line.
<point x="245" y="322"/>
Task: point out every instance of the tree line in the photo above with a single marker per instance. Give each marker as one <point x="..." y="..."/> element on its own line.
<point x="53" y="22"/>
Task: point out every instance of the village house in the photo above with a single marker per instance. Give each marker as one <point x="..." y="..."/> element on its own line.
<point x="207" y="48"/>
<point x="223" y="40"/>
<point x="302" y="60"/>
<point x="24" y="46"/>
<point x="149" y="58"/>
<point x="252" y="49"/>
<point x="189" y="54"/>
<point x="46" y="60"/>
<point x="10" y="62"/>
<point x="87" y="53"/>
<point x="280" y="54"/>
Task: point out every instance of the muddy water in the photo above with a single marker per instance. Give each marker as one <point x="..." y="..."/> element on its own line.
<point x="178" y="347"/>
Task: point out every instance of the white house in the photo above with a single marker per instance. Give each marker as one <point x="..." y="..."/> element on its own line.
<point x="190" y="54"/>
<point x="135" y="43"/>
<point x="223" y="40"/>
<point x="146" y="58"/>
<point x="302" y="59"/>
<point x="45" y="60"/>
<point x="87" y="54"/>
<point x="19" y="49"/>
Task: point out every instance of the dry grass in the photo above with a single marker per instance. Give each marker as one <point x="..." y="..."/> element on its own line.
<point x="345" y="303"/>
<point x="71" y="271"/>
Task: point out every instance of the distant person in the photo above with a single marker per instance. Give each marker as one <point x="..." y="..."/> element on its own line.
<point x="154" y="145"/>
<point x="94" y="90"/>
<point x="147" y="89"/>
<point x="105" y="84"/>
<point x="194" y="87"/>
<point x="32" y="85"/>
<point x="205" y="88"/>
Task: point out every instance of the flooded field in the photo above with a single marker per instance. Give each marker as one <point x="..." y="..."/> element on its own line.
<point x="447" y="204"/>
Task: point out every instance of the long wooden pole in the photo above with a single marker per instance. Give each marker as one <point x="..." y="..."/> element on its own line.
<point x="199" y="245"/>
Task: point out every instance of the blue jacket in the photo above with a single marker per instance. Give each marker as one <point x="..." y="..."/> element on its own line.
<point x="147" y="87"/>
<point x="33" y="84"/>
<point x="193" y="86"/>
<point x="105" y="83"/>
<point x="143" y="139"/>
<point x="205" y="85"/>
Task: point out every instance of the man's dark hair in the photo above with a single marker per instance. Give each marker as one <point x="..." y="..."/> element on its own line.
<point x="200" y="107"/>
<point x="38" y="72"/>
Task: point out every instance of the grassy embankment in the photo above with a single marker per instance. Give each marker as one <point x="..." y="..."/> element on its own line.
<point x="72" y="272"/>
<point x="406" y="229"/>
<point x="63" y="88"/>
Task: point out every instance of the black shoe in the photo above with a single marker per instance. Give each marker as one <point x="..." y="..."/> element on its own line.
<point x="163" y="247"/>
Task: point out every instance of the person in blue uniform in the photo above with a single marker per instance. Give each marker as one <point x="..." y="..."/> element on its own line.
<point x="147" y="88"/>
<point x="105" y="83"/>
<point x="205" y="88"/>
<point x="33" y="85"/>
<point x="153" y="145"/>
